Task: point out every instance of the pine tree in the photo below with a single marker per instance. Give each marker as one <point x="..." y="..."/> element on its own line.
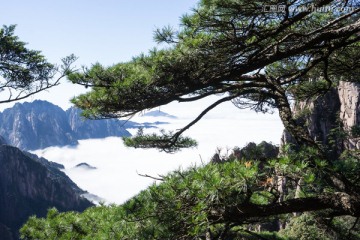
<point x="260" y="55"/>
<point x="25" y="72"/>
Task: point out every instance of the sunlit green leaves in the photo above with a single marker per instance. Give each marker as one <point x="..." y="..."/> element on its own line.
<point x="165" y="34"/>
<point x="262" y="197"/>
<point x="165" y="141"/>
<point x="309" y="178"/>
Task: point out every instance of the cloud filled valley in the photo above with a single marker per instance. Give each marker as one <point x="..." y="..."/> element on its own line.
<point x="116" y="177"/>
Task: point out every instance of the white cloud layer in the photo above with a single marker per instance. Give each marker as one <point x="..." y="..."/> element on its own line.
<point x="116" y="178"/>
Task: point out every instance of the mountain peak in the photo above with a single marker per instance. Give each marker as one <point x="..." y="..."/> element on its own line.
<point x="40" y="124"/>
<point x="158" y="113"/>
<point x="35" y="103"/>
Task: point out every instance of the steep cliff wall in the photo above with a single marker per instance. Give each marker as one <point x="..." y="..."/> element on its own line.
<point x="330" y="118"/>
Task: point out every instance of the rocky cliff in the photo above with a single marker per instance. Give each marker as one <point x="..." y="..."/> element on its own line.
<point x="40" y="124"/>
<point x="30" y="185"/>
<point x="349" y="94"/>
<point x="331" y="119"/>
<point x="35" y="125"/>
<point x="85" y="129"/>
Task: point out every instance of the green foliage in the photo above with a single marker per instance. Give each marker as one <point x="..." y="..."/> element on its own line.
<point x="189" y="204"/>
<point x="167" y="142"/>
<point x="346" y="227"/>
<point x="24" y="71"/>
<point x="306" y="227"/>
<point x="349" y="165"/>
<point x="19" y="64"/>
<point x="309" y="226"/>
<point x="355" y="131"/>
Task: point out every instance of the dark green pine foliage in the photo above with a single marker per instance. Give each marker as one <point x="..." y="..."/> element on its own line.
<point x="25" y="72"/>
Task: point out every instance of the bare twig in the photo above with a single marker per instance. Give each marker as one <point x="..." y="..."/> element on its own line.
<point x="148" y="176"/>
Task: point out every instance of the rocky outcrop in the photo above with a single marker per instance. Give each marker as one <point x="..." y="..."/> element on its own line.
<point x="40" y="124"/>
<point x="30" y="187"/>
<point x="85" y="166"/>
<point x="330" y="117"/>
<point x="86" y="129"/>
<point x="252" y="151"/>
<point x="349" y="93"/>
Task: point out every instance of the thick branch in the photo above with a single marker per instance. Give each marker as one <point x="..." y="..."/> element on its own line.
<point x="341" y="203"/>
<point x="212" y="106"/>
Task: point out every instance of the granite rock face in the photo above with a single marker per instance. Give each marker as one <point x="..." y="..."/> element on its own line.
<point x="30" y="186"/>
<point x="349" y="93"/>
<point x="36" y="125"/>
<point x="338" y="110"/>
<point x="86" y="129"/>
<point x="41" y="124"/>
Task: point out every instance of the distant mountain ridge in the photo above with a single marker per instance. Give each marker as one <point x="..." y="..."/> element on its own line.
<point x="41" y="124"/>
<point x="31" y="185"/>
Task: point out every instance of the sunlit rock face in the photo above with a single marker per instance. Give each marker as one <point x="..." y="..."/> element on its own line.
<point x="30" y="186"/>
<point x="326" y="116"/>
<point x="86" y="129"/>
<point x="41" y="124"/>
<point x="349" y="94"/>
<point x="35" y="125"/>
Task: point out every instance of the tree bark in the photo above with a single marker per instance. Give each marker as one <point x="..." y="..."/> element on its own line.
<point x="341" y="203"/>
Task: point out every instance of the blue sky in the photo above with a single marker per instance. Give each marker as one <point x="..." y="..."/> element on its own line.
<point x="108" y="31"/>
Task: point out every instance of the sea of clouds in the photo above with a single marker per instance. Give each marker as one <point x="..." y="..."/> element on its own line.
<point x="116" y="177"/>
